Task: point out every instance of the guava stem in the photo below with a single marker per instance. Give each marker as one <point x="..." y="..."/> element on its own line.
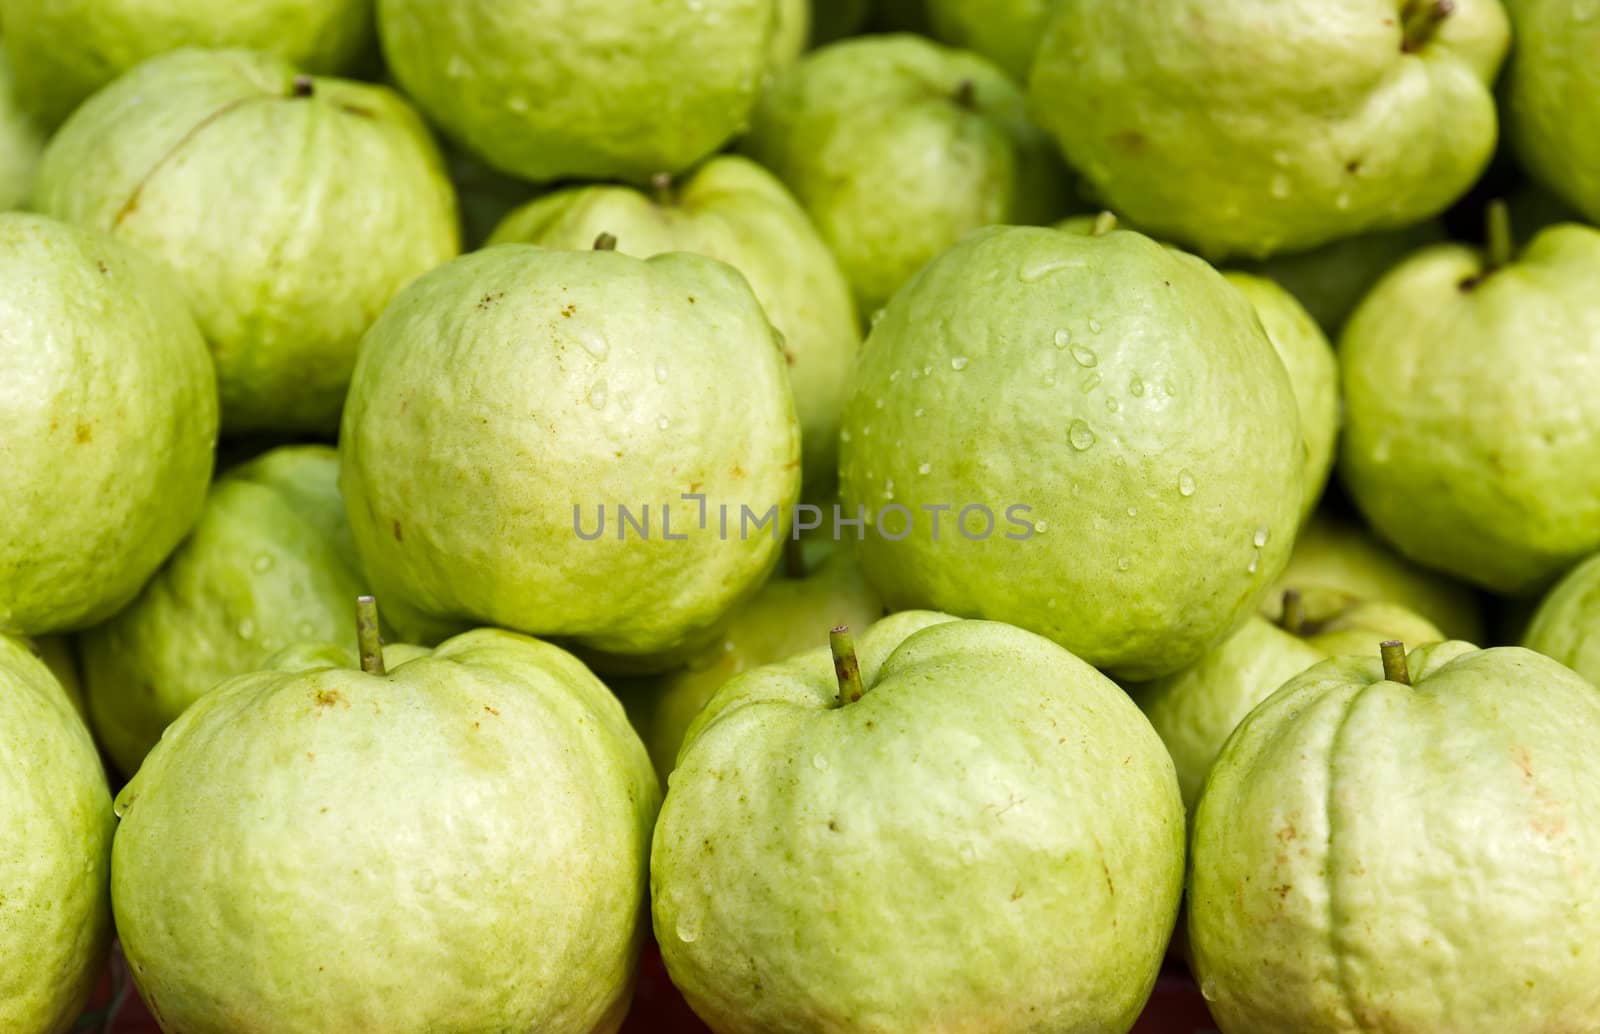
<point x="302" y="86"/>
<point x="794" y="558"/>
<point x="1104" y="223"/>
<point x="605" y="242"/>
<point x="661" y="187"/>
<point x="1393" y="652"/>
<point x="1422" y="21"/>
<point x="967" y="94"/>
<point x="368" y="639"/>
<point x="846" y="665"/>
<point x="1500" y="243"/>
<point x="1294" y="612"/>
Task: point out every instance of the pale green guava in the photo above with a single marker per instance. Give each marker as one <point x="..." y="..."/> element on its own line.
<point x="65" y="50"/>
<point x="1471" y="435"/>
<point x="733" y="210"/>
<point x="20" y="144"/>
<point x="460" y="844"/>
<point x="55" y="851"/>
<point x="1118" y="409"/>
<point x="1238" y="128"/>
<point x="1566" y="625"/>
<point x="109" y="410"/>
<point x="989" y="839"/>
<point x="1370" y="855"/>
<point x="59" y="655"/>
<point x="269" y="562"/>
<point x="510" y="400"/>
<point x="292" y="208"/>
<point x="1553" y="97"/>
<point x="792" y="35"/>
<point x="1004" y="31"/>
<point x="548" y="89"/>
<point x="898" y="147"/>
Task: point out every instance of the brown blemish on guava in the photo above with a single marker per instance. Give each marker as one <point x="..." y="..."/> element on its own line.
<point x="491" y="710"/>
<point x="1288" y="833"/>
<point x="833" y="825"/>
<point x="1016" y="894"/>
<point x="327" y="697"/>
<point x="1130" y="140"/>
<point x="1282" y="890"/>
<point x="1353" y="166"/>
<point x="399" y="535"/>
<point x="1525" y="762"/>
<point x="691" y="299"/>
<point x="568" y="309"/>
<point x="101" y="266"/>
<point x="1110" y="884"/>
<point x="358" y="111"/>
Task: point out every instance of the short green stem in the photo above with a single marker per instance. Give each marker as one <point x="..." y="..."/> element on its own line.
<point x="846" y="665"/>
<point x="368" y="639"/>
<point x="1104" y="223"/>
<point x="1421" y="22"/>
<point x="661" y="188"/>
<point x="302" y="86"/>
<point x="1501" y="244"/>
<point x="1395" y="669"/>
<point x="605" y="242"/>
<point x="1294" y="612"/>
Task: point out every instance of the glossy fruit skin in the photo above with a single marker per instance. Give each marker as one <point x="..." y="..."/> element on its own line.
<point x="733" y="210"/>
<point x="65" y="50"/>
<point x="874" y="138"/>
<point x="1006" y="32"/>
<point x="1470" y="438"/>
<point x="1336" y="128"/>
<point x="106" y="395"/>
<point x="989" y="840"/>
<point x="1365" y="850"/>
<point x="269" y="562"/>
<point x="1553" y="98"/>
<point x="290" y="219"/>
<point x="55" y="851"/>
<point x="539" y="88"/>
<point x="1112" y="388"/>
<point x="457" y="846"/>
<point x="505" y="397"/>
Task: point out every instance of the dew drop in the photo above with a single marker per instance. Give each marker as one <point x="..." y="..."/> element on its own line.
<point x="878" y="404"/>
<point x="1186" y="484"/>
<point x="1041" y="526"/>
<point x="927" y="371"/>
<point x="1080" y="435"/>
<point x="845" y="435"/>
<point x="262" y="564"/>
<point x="688" y="931"/>
<point x="959" y="362"/>
<point x="819" y="762"/>
<point x="1123" y="563"/>
<point x="1084" y="356"/>
<point x="661" y="373"/>
<point x="1169" y="389"/>
<point x="247" y="629"/>
<point x="926" y="468"/>
<point x="918" y="411"/>
<point x="1255" y="562"/>
<point x="517" y="103"/>
<point x="663" y="423"/>
<point x="1133" y="511"/>
<point x="1090" y="383"/>
<point x="888" y="489"/>
<point x="1063" y="338"/>
<point x="1112" y="405"/>
<point x="1208" y="990"/>
<point x="1136" y="386"/>
<point x="594" y="344"/>
<point x="877" y="316"/>
<point x="1094" y="326"/>
<point x="1261" y="536"/>
<point x="1037" y="271"/>
<point x="894" y="375"/>
<point x="597" y="394"/>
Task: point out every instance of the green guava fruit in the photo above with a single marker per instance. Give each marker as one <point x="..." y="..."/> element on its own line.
<point x="1195" y="710"/>
<point x="109" y="407"/>
<point x="509" y="404"/>
<point x="1370" y="855"/>
<point x="20" y="144"/>
<point x="292" y="208"/>
<point x="1471" y="437"/>
<point x="1553" y="97"/>
<point x="269" y="562"/>
<point x="898" y="147"/>
<point x="1239" y="129"/>
<point x="459" y="844"/>
<point x="1113" y="441"/>
<point x="1566" y="624"/>
<point x="1330" y="281"/>
<point x="55" y="851"/>
<point x="1337" y="562"/>
<point x="1006" y="32"/>
<point x="976" y="831"/>
<point x="57" y="653"/>
<point x="792" y="35"/>
<point x="65" y="50"/>
<point x="548" y="90"/>
<point x="733" y="210"/>
<point x="1313" y="374"/>
<point x="790" y="615"/>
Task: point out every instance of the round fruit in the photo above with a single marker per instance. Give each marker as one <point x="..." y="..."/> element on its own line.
<point x="1006" y="33"/>
<point x="1566" y="623"/>
<point x="1553" y="97"/>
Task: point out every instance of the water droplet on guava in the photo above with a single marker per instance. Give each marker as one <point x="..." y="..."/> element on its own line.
<point x="597" y="394"/>
<point x="925" y="468"/>
<point x="594" y="344"/>
<point x="1255" y="563"/>
<point x="1094" y="326"/>
<point x="1080" y="435"/>
<point x="1136" y="386"/>
<point x="1090" y="383"/>
<point x="1063" y="338"/>
<point x="819" y="762"/>
<point x="663" y="423"/>
<point x="661" y="373"/>
<point x="1261" y="536"/>
<point x="1123" y="563"/>
<point x="959" y="362"/>
<point x="1041" y="526"/>
<point x="1112" y="405"/>
<point x="1084" y="356"/>
<point x="1186" y="484"/>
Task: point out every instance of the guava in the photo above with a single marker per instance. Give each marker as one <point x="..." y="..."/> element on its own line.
<point x="20" y="143"/>
<point x="1111" y="437"/>
<point x="733" y="210"/>
<point x="1006" y="32"/>
<point x="967" y="829"/>
<point x="509" y="404"/>
<point x="59" y="655"/>
<point x="55" y="851"/>
<point x="292" y="208"/>
<point x="1567" y="621"/>
<point x="898" y="147"/>
<point x="1404" y="847"/>
<point x="457" y="844"/>
<point x="793" y="33"/>
<point x="1238" y="129"/>
<point x="548" y="90"/>
<point x="269" y="562"/>
<point x="1553" y="97"/>
<point x="109" y="406"/>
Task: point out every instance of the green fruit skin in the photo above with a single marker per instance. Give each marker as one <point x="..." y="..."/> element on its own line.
<point x="510" y="386"/>
<point x="458" y="846"/>
<point x="55" y="814"/>
<point x="1006" y="32"/>
<point x="58" y="654"/>
<point x="990" y="840"/>
<point x="548" y="89"/>
<point x="1337" y="561"/>
<point x="109" y="406"/>
<point x="269" y="562"/>
<point x="65" y="50"/>
<point x="1366" y="853"/>
<point x="1363" y="628"/>
<point x="1565" y="624"/>
<point x="733" y="210"/>
<point x="1471" y="437"/>
<point x="793" y="33"/>
<point x="1334" y="130"/>
<point x="20" y="144"/>
<point x="1120" y="390"/>
<point x="290" y="221"/>
<point x="893" y="169"/>
<point x="1313" y="374"/>
<point x="1553" y="98"/>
